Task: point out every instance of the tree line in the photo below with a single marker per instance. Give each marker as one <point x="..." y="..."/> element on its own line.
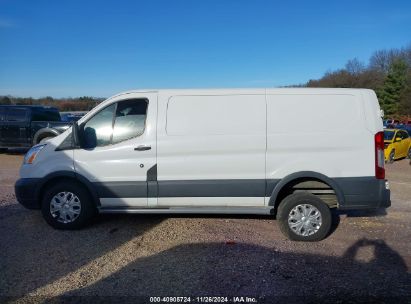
<point x="388" y="73"/>
<point x="84" y="103"/>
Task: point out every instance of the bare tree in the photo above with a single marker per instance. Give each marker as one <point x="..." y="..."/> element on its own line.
<point x="382" y="60"/>
<point x="354" y="66"/>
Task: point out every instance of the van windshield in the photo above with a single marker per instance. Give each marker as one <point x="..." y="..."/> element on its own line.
<point x="388" y="135"/>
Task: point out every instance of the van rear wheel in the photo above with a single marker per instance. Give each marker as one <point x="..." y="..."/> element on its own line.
<point x="304" y="217"/>
<point x="67" y="205"/>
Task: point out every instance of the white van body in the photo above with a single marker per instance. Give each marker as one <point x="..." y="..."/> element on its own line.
<point x="223" y="151"/>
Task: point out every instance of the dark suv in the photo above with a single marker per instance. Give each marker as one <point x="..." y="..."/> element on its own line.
<point x="24" y="126"/>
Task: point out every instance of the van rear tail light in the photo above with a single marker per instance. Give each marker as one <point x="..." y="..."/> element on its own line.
<point x="379" y="155"/>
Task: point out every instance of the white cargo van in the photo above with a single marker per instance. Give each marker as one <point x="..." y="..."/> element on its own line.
<point x="291" y="153"/>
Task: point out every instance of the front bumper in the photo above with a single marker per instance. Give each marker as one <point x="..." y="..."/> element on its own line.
<point x="26" y="190"/>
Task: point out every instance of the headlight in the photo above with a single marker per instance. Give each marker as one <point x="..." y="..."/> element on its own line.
<point x="32" y="154"/>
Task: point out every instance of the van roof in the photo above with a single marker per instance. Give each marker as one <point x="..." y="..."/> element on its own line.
<point x="250" y="91"/>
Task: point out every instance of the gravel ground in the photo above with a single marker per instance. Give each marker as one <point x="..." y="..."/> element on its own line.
<point x="127" y="258"/>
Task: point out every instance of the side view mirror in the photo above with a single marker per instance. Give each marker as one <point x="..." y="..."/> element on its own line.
<point x="398" y="139"/>
<point x="76" y="136"/>
<point x="84" y="138"/>
<point x="90" y="138"/>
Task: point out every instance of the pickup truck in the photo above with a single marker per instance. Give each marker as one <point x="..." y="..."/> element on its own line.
<point x="25" y="126"/>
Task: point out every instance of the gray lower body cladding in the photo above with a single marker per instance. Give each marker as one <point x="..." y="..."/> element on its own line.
<point x="363" y="193"/>
<point x="184" y="188"/>
<point x="357" y="192"/>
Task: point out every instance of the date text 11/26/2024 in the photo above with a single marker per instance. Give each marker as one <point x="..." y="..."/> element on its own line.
<point x="203" y="299"/>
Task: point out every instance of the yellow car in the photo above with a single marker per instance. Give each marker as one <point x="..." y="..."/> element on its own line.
<point x="397" y="144"/>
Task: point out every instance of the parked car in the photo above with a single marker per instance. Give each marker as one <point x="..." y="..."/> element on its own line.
<point x="25" y="126"/>
<point x="70" y="117"/>
<point x="404" y="126"/>
<point x="215" y="151"/>
<point x="397" y="144"/>
<point x="391" y="123"/>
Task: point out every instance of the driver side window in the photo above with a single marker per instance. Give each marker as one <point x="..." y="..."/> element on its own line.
<point x="130" y="120"/>
<point x="116" y="123"/>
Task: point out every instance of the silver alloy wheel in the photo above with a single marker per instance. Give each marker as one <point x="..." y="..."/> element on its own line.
<point x="304" y="219"/>
<point x="65" y="207"/>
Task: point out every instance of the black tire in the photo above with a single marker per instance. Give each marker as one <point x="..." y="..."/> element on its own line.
<point x="391" y="157"/>
<point x="292" y="201"/>
<point x="409" y="153"/>
<point x="3" y="150"/>
<point x="86" y="212"/>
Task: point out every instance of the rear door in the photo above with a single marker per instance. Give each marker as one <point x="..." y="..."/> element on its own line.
<point x="16" y="132"/>
<point x="211" y="150"/>
<point x="119" y="150"/>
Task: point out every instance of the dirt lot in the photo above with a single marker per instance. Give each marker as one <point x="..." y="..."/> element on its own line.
<point x="127" y="258"/>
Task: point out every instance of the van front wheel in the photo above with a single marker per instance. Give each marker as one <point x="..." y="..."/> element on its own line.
<point x="67" y="206"/>
<point x="304" y="217"/>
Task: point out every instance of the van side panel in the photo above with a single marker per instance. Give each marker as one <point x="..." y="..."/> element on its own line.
<point x="373" y="117"/>
<point x="210" y="145"/>
<point x="324" y="133"/>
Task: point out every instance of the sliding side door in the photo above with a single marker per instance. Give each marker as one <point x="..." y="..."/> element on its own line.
<point x="211" y="150"/>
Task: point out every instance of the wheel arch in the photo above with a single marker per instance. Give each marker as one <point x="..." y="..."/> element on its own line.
<point x="64" y="176"/>
<point x="44" y="131"/>
<point x="290" y="179"/>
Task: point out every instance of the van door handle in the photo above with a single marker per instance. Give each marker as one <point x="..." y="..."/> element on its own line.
<point x="142" y="148"/>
